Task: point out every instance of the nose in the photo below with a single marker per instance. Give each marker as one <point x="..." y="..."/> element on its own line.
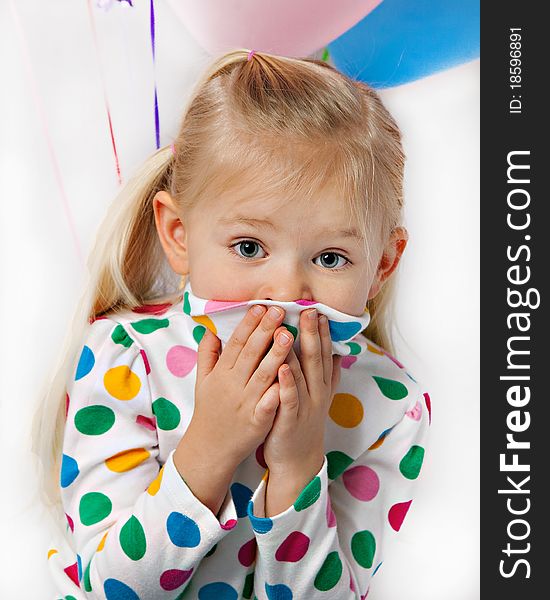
<point x="287" y="286"/>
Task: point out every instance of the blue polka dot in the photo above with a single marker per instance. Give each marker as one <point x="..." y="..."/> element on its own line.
<point x="79" y="567"/>
<point x="86" y="363"/>
<point x="69" y="470"/>
<point x="278" y="592"/>
<point x="183" y="531"/>
<point x="343" y="331"/>
<point x="374" y="572"/>
<point x="218" y="591"/>
<point x="116" y="590"/>
<point x="259" y="524"/>
<point x="241" y="495"/>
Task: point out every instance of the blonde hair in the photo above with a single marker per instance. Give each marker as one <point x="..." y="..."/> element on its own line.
<point x="286" y="126"/>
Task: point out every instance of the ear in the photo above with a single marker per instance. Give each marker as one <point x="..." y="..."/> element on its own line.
<point x="171" y="231"/>
<point x="391" y="256"/>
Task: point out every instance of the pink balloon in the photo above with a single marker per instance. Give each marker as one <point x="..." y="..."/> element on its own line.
<point x="286" y="27"/>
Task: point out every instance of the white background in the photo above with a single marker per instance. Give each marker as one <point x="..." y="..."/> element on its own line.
<point x="41" y="272"/>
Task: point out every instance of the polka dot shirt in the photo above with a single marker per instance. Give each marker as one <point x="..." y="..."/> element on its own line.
<point x="134" y="529"/>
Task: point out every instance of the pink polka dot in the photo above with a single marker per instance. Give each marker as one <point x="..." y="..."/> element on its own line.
<point x="173" y="578"/>
<point x="293" y="548"/>
<point x="180" y="360"/>
<point x="416" y="412"/>
<point x="351" y="584"/>
<point x="397" y="513"/>
<point x="147" y="422"/>
<point x="347" y="361"/>
<point x="70" y="521"/>
<point x="216" y="305"/>
<point x="361" y="482"/>
<point x="228" y="525"/>
<point x="331" y="517"/>
<point x="394" y="359"/>
<point x="305" y="302"/>
<point x="247" y="553"/>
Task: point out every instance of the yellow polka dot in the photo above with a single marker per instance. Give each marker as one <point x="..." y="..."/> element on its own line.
<point x="266" y="475"/>
<point x="102" y="543"/>
<point x="346" y="410"/>
<point x="371" y="348"/>
<point x="122" y="383"/>
<point x="127" y="459"/>
<point x="378" y="443"/>
<point x="51" y="551"/>
<point x="207" y="322"/>
<point x="154" y="487"/>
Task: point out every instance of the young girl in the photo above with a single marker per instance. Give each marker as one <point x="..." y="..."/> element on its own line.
<point x="201" y="445"/>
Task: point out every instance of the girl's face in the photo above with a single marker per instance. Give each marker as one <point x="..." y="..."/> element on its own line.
<point x="235" y="249"/>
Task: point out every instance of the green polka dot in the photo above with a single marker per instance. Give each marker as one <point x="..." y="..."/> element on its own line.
<point x="310" y="494"/>
<point x="329" y="574"/>
<point x="120" y="336"/>
<point x="167" y="413"/>
<point x="94" y="507"/>
<point x="87" y="582"/>
<point x="70" y="598"/>
<point x="412" y="461"/>
<point x="186" y="304"/>
<point x="198" y="333"/>
<point x="150" y="325"/>
<point x="338" y="462"/>
<point x="354" y="348"/>
<point x="293" y="330"/>
<point x="394" y="390"/>
<point x="132" y="539"/>
<point x="363" y="547"/>
<point x="248" y="586"/>
<point x="94" y="420"/>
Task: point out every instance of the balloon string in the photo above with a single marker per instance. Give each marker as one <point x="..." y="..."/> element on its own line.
<point x="96" y="46"/>
<point x="43" y="119"/>
<point x="157" y="124"/>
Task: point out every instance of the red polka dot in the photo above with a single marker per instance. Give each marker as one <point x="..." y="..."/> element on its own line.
<point x="397" y="513"/>
<point x="70" y="521"/>
<point x="428" y="406"/>
<point x="147" y="422"/>
<point x="72" y="572"/>
<point x="228" y="525"/>
<point x="260" y="456"/>
<point x="173" y="578"/>
<point x="247" y="553"/>
<point x="293" y="548"/>
<point x="145" y="361"/>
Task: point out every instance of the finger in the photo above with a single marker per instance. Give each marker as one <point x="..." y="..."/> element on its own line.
<point x="266" y="371"/>
<point x="266" y="407"/>
<point x="207" y="354"/>
<point x="257" y="344"/>
<point x="238" y="339"/>
<point x="326" y="348"/>
<point x="297" y="374"/>
<point x="310" y="350"/>
<point x="288" y="394"/>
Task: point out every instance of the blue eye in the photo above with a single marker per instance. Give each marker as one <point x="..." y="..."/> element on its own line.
<point x="248" y="247"/>
<point x="331" y="258"/>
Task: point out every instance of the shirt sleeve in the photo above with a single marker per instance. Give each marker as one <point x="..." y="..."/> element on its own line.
<point x="137" y="528"/>
<point x="335" y="535"/>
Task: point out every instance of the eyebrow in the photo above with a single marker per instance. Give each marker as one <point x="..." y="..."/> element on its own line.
<point x="267" y="224"/>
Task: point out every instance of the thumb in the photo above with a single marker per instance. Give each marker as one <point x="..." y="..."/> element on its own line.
<point x="207" y="354"/>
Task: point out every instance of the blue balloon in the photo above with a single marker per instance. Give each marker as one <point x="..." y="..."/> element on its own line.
<point x="404" y="40"/>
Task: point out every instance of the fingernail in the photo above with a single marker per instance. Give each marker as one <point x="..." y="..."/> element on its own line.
<point x="257" y="309"/>
<point x="284" y="338"/>
<point x="322" y="319"/>
<point x="312" y="314"/>
<point x="275" y="312"/>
